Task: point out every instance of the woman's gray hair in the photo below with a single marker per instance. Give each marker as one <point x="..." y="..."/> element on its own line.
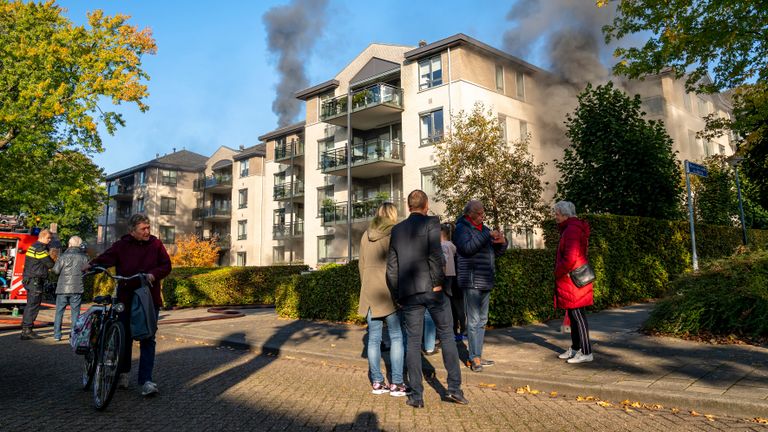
<point x="75" y="241"/>
<point x="565" y="208"/>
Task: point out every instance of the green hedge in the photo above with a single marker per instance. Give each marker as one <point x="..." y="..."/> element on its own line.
<point x="729" y="296"/>
<point x="634" y="259"/>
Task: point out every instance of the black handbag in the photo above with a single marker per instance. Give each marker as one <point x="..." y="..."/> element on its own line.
<point x="582" y="276"/>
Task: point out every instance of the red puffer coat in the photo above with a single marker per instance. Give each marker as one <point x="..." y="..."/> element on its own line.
<point x="571" y="254"/>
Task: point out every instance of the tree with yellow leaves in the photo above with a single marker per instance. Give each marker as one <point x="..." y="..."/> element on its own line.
<point x="192" y="251"/>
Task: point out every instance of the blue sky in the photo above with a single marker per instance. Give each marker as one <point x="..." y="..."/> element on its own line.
<point x="212" y="80"/>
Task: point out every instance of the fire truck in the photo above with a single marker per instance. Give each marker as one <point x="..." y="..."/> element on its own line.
<point x="15" y="239"/>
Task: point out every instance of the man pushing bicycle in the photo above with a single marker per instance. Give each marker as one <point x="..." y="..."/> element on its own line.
<point x="137" y="252"/>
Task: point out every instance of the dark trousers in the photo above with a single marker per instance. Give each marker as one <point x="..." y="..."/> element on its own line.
<point x="457" y="305"/>
<point x="579" y="331"/>
<point x="146" y="349"/>
<point x="34" y="287"/>
<point x="413" y="310"/>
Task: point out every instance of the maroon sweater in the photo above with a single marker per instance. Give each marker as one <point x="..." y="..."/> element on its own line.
<point x="130" y="256"/>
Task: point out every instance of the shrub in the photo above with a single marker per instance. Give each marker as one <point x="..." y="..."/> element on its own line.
<point x="730" y="296"/>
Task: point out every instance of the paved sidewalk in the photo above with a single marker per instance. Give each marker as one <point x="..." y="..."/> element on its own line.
<point x="711" y="379"/>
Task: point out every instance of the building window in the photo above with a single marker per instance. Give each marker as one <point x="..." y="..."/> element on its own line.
<point x="503" y="126"/>
<point x="324" y="198"/>
<point x="140" y="205"/>
<point x="278" y="254"/>
<point x="721" y="148"/>
<point x="428" y="181"/>
<point x="240" y="259"/>
<point x="143" y="177"/>
<point x="687" y="101"/>
<point x="242" y="198"/>
<point x="244" y="167"/>
<point x="707" y="148"/>
<point x="324" y="248"/>
<point x="167" y="234"/>
<point x="528" y="237"/>
<point x="168" y="177"/>
<point x="500" y="78"/>
<point x="431" y="127"/>
<point x="430" y="73"/>
<point x="523" y="131"/>
<point x="520" y="81"/>
<point x="702" y="106"/>
<point x="242" y="230"/>
<point x="167" y="206"/>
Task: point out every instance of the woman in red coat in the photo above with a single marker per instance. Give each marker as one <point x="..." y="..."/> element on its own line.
<point x="571" y="254"/>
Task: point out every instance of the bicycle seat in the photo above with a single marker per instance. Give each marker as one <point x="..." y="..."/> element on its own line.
<point x="107" y="299"/>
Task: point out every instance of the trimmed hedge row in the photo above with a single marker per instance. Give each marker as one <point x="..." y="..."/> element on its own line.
<point x="729" y="296"/>
<point x="634" y="259"/>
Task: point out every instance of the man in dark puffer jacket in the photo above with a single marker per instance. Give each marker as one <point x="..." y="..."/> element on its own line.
<point x="477" y="248"/>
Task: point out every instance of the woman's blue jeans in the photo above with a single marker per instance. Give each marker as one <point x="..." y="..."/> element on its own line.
<point x="62" y="300"/>
<point x="396" y="350"/>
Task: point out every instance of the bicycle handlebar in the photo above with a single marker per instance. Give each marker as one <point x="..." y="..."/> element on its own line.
<point x="99" y="269"/>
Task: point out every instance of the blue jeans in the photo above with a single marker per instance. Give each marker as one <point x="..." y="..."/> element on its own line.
<point x="62" y="300"/>
<point x="476" y="307"/>
<point x="430" y="332"/>
<point x="146" y="349"/>
<point x="396" y="350"/>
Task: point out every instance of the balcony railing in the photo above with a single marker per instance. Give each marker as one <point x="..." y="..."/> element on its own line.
<point x="378" y="94"/>
<point x="362" y="210"/>
<point x="212" y="212"/>
<point x="288" y="190"/>
<point x="223" y="243"/>
<point x="368" y="152"/>
<point x="120" y="189"/>
<point x="286" y="230"/>
<point x="288" y="150"/>
<point x="210" y="182"/>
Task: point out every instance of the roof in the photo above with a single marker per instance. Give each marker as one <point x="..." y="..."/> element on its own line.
<point x="182" y="160"/>
<point x="317" y="89"/>
<point x="462" y="39"/>
<point x="374" y="69"/>
<point x="259" y="150"/>
<point x="285" y="130"/>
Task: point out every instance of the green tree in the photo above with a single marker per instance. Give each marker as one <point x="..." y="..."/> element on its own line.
<point x="475" y="161"/>
<point x="692" y="37"/>
<point x="715" y="201"/>
<point x="618" y="162"/>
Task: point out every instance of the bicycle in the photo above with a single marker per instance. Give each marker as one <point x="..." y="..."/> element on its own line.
<point x="102" y="360"/>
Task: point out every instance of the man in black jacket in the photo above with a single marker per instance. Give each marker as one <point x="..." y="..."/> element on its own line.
<point x="415" y="278"/>
<point x="37" y="262"/>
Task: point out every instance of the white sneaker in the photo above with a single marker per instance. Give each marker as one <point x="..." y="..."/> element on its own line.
<point x="580" y="358"/>
<point x="149" y="388"/>
<point x="568" y="354"/>
<point x="122" y="382"/>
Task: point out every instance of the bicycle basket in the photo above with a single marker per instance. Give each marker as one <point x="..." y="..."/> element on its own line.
<point x="80" y="339"/>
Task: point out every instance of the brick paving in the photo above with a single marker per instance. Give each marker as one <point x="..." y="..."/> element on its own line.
<point x="205" y="387"/>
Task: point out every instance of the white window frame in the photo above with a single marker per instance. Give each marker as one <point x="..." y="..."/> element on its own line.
<point x="434" y="137"/>
<point x="427" y="80"/>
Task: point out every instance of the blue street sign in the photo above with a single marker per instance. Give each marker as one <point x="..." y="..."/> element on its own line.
<point x="695" y="169"/>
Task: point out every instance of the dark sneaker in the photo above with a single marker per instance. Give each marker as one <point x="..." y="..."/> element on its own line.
<point x="477" y="365"/>
<point x="487" y="363"/>
<point x="416" y="403"/>
<point x="456" y="398"/>
<point x="399" y="390"/>
<point x="378" y="388"/>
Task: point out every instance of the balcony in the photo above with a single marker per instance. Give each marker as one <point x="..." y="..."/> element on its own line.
<point x="214" y="183"/>
<point x="293" y="149"/>
<point x="373" y="158"/>
<point x="212" y="213"/>
<point x="224" y="243"/>
<point x="371" y="107"/>
<point x="287" y="191"/>
<point x="362" y="211"/>
<point x="287" y="230"/>
<point x="121" y="191"/>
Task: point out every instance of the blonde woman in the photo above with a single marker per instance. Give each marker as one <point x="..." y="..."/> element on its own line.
<point x="376" y="302"/>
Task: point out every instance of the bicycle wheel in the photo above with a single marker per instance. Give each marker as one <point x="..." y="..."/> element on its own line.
<point x="89" y="368"/>
<point x="107" y="365"/>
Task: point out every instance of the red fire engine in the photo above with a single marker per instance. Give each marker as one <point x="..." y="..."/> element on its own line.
<point x="15" y="239"/>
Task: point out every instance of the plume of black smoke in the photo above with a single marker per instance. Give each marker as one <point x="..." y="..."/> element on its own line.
<point x="292" y="30"/>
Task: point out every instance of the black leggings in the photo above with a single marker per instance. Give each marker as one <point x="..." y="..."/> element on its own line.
<point x="579" y="331"/>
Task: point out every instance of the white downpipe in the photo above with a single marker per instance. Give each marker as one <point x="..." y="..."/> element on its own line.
<point x="450" y="109"/>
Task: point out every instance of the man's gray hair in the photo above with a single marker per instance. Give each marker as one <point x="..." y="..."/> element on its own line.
<point x="565" y="208"/>
<point x="472" y="205"/>
<point x="137" y="219"/>
<point x="75" y="241"/>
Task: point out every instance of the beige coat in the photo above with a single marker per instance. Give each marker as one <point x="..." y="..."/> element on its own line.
<point x="374" y="293"/>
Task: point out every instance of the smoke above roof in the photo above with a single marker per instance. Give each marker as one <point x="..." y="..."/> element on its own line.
<point x="292" y="31"/>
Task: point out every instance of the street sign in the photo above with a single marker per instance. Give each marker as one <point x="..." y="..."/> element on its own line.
<point x="695" y="169"/>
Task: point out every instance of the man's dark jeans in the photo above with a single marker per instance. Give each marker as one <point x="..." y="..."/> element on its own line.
<point x="34" y="289"/>
<point x="440" y="309"/>
<point x="146" y="349"/>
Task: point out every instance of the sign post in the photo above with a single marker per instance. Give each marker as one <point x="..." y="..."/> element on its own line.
<point x="701" y="171"/>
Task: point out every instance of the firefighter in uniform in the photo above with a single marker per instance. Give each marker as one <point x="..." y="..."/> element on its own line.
<point x="39" y="259"/>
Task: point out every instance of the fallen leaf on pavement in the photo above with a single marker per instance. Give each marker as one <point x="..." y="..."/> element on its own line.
<point x="553" y="394"/>
<point x="655" y="407"/>
<point x="487" y="385"/>
<point x="760" y="420"/>
<point x="604" y="404"/>
<point x="675" y="410"/>
<point x="585" y="398"/>
<point x="709" y="417"/>
<point x="695" y="414"/>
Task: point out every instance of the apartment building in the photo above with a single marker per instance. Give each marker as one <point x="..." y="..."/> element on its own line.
<point x="162" y="189"/>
